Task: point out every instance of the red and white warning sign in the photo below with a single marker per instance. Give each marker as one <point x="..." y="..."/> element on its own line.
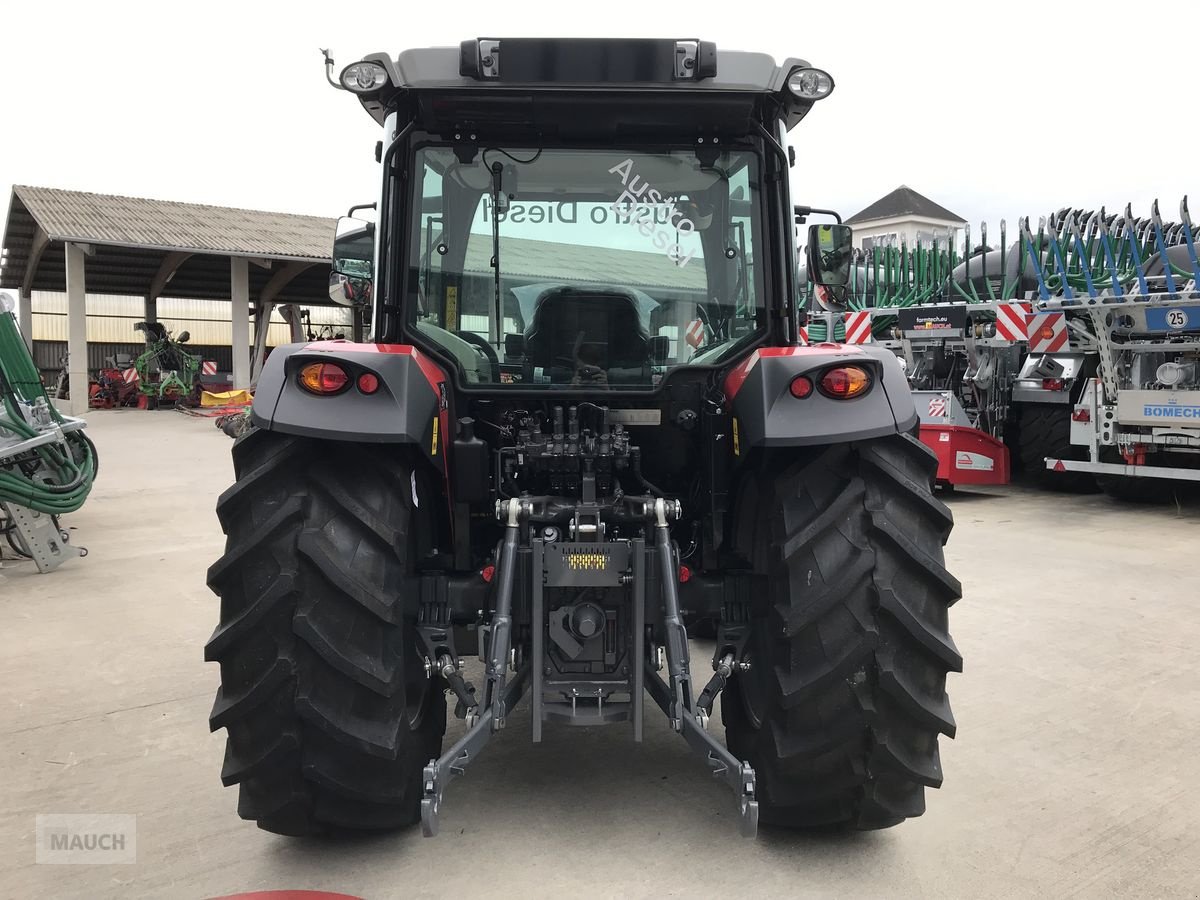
<point x="130" y="375"/>
<point x="694" y="333"/>
<point x="937" y="407"/>
<point x="858" y="327"/>
<point x="208" y="367"/>
<point x="1047" y="332"/>
<point x="804" y="335"/>
<point x="1011" y="321"/>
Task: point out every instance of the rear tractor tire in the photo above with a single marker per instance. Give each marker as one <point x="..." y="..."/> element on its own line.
<point x="841" y="708"/>
<point x="330" y="716"/>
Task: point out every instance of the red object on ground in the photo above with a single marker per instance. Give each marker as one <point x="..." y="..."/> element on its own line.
<point x="965" y="455"/>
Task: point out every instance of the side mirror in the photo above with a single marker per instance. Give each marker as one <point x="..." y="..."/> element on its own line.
<point x="353" y="262"/>
<point x="829" y="250"/>
<point x="184" y="337"/>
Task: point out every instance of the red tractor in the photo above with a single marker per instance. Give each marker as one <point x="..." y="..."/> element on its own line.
<point x="585" y="415"/>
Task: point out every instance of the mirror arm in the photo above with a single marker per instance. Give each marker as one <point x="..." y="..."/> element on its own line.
<point x="803" y="212"/>
<point x="329" y="71"/>
<point x="354" y="209"/>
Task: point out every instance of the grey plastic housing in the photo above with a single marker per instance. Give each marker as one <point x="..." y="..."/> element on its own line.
<point x="769" y="416"/>
<point x="404" y="408"/>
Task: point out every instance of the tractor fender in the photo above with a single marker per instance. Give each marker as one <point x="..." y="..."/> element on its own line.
<point x="408" y="407"/>
<point x="765" y="414"/>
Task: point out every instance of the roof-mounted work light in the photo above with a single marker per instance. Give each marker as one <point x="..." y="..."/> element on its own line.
<point x="810" y="84"/>
<point x="363" y="77"/>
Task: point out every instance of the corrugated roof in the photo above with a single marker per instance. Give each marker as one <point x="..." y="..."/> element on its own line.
<point x="903" y="201"/>
<point x="170" y="225"/>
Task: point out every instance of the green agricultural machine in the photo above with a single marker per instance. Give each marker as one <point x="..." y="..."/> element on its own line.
<point x="165" y="371"/>
<point x="47" y="463"/>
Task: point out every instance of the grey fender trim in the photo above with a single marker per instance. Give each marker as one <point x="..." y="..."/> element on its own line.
<point x="767" y="415"/>
<point x="406" y="408"/>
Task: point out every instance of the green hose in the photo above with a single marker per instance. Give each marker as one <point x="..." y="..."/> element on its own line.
<point x="53" y="478"/>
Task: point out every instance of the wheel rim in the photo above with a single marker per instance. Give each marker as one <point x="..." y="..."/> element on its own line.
<point x="752" y="684"/>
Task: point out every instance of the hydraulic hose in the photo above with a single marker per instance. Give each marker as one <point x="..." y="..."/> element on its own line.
<point x="53" y="478"/>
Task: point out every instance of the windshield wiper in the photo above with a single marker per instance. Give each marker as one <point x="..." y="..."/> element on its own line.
<point x="498" y="198"/>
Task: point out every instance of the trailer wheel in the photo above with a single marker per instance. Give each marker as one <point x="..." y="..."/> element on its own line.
<point x="845" y="697"/>
<point x="1135" y="490"/>
<point x="1045" y="430"/>
<point x="330" y="716"/>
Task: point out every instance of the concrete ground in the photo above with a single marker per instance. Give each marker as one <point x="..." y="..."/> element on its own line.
<point x="1074" y="773"/>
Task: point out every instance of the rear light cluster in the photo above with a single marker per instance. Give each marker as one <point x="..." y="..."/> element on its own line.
<point x="839" y="383"/>
<point x="326" y="379"/>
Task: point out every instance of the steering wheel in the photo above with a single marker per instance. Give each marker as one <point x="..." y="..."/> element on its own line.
<point x="485" y="349"/>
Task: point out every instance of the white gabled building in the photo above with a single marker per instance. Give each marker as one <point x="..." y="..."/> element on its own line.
<point x="903" y="215"/>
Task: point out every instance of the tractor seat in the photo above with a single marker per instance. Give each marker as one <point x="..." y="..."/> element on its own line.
<point x="600" y="328"/>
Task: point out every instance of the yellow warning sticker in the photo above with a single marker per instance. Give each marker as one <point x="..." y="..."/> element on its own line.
<point x="433" y="444"/>
<point x="737" y="446"/>
<point x="452" y="307"/>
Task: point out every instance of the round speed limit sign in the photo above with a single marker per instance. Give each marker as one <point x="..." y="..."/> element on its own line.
<point x="1177" y="318"/>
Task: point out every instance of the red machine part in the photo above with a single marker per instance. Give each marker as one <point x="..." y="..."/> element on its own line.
<point x="966" y="455"/>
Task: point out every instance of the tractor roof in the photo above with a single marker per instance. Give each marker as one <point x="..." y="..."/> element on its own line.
<point x="709" y="86"/>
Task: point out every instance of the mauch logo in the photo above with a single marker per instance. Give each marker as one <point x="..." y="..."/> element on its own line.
<point x="86" y="839"/>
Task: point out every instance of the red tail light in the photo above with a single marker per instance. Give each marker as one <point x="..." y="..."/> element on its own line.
<point x="368" y="383"/>
<point x="1053" y="384"/>
<point x="487" y="573"/>
<point x="845" y="382"/>
<point x="323" y="378"/>
<point x="801" y="387"/>
<point x="1081" y="415"/>
<point x="685" y="574"/>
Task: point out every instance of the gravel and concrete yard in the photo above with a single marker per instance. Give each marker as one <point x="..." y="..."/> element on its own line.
<point x="1074" y="773"/>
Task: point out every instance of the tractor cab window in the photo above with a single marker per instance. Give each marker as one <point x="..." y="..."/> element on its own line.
<point x="584" y="268"/>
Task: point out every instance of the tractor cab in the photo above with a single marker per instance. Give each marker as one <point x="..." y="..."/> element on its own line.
<point x="580" y="213"/>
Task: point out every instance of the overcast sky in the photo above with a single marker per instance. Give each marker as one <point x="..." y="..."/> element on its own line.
<point x="991" y="110"/>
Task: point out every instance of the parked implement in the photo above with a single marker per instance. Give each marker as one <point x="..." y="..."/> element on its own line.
<point x="1077" y="346"/>
<point x="1126" y="293"/>
<point x="46" y="462"/>
<point x="164" y="370"/>
<point x="586" y="414"/>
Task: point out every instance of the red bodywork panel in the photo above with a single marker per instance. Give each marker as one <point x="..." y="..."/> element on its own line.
<point x="966" y="455"/>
